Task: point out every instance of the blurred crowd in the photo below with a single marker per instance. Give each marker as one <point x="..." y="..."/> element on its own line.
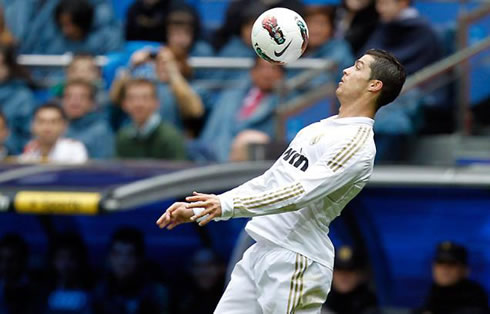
<point x="127" y="281"/>
<point x="155" y="105"/>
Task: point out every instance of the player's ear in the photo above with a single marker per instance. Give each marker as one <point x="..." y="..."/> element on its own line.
<point x="375" y="85"/>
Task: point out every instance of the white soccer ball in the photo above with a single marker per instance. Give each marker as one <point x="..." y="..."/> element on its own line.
<point x="279" y="35"/>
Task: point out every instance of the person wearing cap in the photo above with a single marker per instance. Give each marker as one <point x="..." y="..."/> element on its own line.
<point x="350" y="292"/>
<point x="452" y="292"/>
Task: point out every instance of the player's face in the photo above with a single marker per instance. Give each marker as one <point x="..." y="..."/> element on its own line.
<point x="140" y="103"/>
<point x="448" y="274"/>
<point x="265" y="75"/>
<point x="48" y="126"/>
<point x="356" y="79"/>
<point x="77" y="101"/>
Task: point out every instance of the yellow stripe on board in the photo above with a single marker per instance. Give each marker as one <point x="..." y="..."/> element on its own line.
<point x="65" y="203"/>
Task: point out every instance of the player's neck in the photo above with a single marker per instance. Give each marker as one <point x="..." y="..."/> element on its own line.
<point x="356" y="109"/>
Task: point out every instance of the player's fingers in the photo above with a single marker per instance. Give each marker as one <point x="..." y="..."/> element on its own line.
<point x="173" y="225"/>
<point x="164" y="221"/>
<point x="195" y="198"/>
<point x="198" y="204"/>
<point x="202" y="214"/>
<point x="207" y="220"/>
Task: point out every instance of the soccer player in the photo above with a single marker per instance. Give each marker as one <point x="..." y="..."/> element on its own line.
<point x="289" y="269"/>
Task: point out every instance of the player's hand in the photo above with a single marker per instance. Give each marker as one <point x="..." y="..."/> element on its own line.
<point x="210" y="203"/>
<point x="175" y="215"/>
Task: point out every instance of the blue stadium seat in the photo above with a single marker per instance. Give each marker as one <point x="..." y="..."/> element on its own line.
<point x="313" y="113"/>
<point x="121" y="7"/>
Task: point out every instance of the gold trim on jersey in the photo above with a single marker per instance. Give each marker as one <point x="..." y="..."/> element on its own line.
<point x="334" y="159"/>
<point x="291" y="285"/>
<point x="270" y="198"/>
<point x="354" y="149"/>
<point x="297" y="283"/>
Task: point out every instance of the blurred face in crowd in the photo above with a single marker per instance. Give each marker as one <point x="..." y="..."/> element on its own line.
<point x="345" y="281"/>
<point x="48" y="126"/>
<point x="69" y="29"/>
<point x="206" y="272"/>
<point x="65" y="263"/>
<point x="356" y="80"/>
<point x="4" y="69"/>
<point x="320" y="29"/>
<point x="77" y="101"/>
<point x="150" y="3"/>
<point x="83" y="68"/>
<point x="357" y="5"/>
<point x="4" y="131"/>
<point x="180" y="33"/>
<point x="448" y="274"/>
<point x="246" y="32"/>
<point x="140" y="102"/>
<point x="10" y="263"/>
<point x="265" y="75"/>
<point x="123" y="260"/>
<point x="389" y="10"/>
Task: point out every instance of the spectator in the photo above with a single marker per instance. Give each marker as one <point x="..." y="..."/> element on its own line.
<point x="206" y="284"/>
<point x="16" y="99"/>
<point x="183" y="103"/>
<point x="49" y="125"/>
<point x="6" y="37"/>
<point x="452" y="292"/>
<point x="69" y="280"/>
<point x="237" y="13"/>
<point x="67" y="26"/>
<point x="350" y="293"/>
<point x="356" y="21"/>
<point x="240" y="44"/>
<point x="322" y="44"/>
<point x="250" y="107"/>
<point x="17" y="293"/>
<point x="145" y="20"/>
<point x="404" y="33"/>
<point x="84" y="67"/>
<point x="4" y="133"/>
<point x="128" y="287"/>
<point x="148" y="136"/>
<point x="86" y="124"/>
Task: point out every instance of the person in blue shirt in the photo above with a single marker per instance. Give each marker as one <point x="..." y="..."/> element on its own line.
<point x="248" y="108"/>
<point x="86" y="123"/>
<point x="67" y="26"/>
<point x="16" y="99"/>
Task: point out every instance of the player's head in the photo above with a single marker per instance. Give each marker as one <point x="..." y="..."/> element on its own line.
<point x="377" y="77"/>
<point x="49" y="123"/>
<point x="450" y="264"/>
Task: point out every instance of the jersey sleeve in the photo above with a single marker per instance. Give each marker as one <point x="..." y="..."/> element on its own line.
<point x="343" y="163"/>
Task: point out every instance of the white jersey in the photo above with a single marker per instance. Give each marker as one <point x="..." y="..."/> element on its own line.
<point x="325" y="166"/>
<point x="65" y="150"/>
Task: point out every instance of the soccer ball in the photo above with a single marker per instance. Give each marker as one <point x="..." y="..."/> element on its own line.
<point x="279" y="35"/>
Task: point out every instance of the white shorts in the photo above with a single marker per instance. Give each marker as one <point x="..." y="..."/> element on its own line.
<point x="272" y="280"/>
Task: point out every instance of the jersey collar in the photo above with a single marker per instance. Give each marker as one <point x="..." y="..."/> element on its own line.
<point x="348" y="121"/>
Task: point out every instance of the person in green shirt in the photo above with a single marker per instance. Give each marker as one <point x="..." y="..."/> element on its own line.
<point x="147" y="136"/>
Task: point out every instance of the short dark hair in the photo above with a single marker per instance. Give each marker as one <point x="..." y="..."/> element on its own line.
<point x="81" y="12"/>
<point x="388" y="70"/>
<point x="137" y="81"/>
<point x="51" y="106"/>
<point x="130" y="235"/>
<point x="84" y="83"/>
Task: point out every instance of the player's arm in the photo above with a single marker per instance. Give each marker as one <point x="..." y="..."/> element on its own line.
<point x="344" y="163"/>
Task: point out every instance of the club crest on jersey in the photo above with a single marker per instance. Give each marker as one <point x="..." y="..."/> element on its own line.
<point x="296" y="159"/>
<point x="269" y="23"/>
